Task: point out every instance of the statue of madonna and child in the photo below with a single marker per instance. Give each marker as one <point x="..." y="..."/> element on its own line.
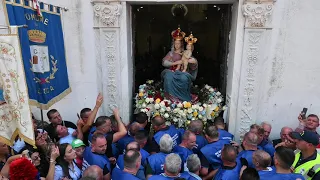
<point x="181" y="68"/>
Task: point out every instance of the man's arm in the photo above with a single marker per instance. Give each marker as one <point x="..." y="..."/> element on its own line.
<point x="79" y="130"/>
<point x="93" y="114"/>
<point x="122" y="129"/>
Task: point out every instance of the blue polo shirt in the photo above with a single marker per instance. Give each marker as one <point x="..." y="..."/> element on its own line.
<point x="291" y="176"/>
<point x="225" y="135"/>
<point x="228" y="173"/>
<point x="163" y="176"/>
<point x="265" y="174"/>
<point x="211" y="154"/>
<point x="100" y="160"/>
<point x="123" y="142"/>
<point x="200" y="143"/>
<point x="118" y="174"/>
<point x="156" y="162"/>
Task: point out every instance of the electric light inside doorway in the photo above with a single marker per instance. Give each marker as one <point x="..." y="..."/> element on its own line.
<point x="178" y="7"/>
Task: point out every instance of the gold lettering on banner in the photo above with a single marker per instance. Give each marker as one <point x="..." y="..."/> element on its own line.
<point x="45" y="90"/>
<point x="34" y="17"/>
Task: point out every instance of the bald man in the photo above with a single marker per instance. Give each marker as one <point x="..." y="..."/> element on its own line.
<point x="262" y="162"/>
<point x="93" y="172"/>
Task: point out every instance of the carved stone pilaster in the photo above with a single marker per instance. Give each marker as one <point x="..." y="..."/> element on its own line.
<point x="106" y="13"/>
<point x="107" y="40"/>
<point x="258" y="16"/>
<point x="258" y="13"/>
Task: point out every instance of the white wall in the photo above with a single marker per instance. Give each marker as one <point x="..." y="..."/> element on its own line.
<point x="79" y="45"/>
<point x="290" y="76"/>
<point x="292" y="69"/>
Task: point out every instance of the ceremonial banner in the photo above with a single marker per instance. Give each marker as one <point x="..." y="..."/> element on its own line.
<point x="43" y="51"/>
<point x="15" y="116"/>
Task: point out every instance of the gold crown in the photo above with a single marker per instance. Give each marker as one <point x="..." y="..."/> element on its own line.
<point x="37" y="36"/>
<point x="178" y="34"/>
<point x="190" y="39"/>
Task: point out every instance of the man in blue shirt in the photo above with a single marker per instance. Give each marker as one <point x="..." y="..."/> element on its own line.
<point x="172" y="169"/>
<point x="132" y="163"/>
<point x="95" y="155"/>
<point x="211" y="153"/>
<point x="196" y="127"/>
<point x="248" y="146"/>
<point x="194" y="166"/>
<point x="134" y="146"/>
<point x="263" y="143"/>
<point x="262" y="163"/>
<point x="185" y="148"/>
<point x="283" y="159"/>
<point x="223" y="134"/>
<point x="155" y="162"/>
<point x="230" y="168"/>
<point x="103" y="126"/>
<point x="160" y="128"/>
<point x="122" y="143"/>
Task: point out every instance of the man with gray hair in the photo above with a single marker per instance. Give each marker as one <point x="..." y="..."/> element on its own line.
<point x="155" y="162"/>
<point x="194" y="166"/>
<point x="267" y="130"/>
<point x="196" y="127"/>
<point x="94" y="172"/>
<point x="172" y="168"/>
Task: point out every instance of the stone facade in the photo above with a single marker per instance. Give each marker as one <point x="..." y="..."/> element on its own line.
<point x="273" y="70"/>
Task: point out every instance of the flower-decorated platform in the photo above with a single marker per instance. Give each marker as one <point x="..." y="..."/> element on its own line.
<point x="153" y="101"/>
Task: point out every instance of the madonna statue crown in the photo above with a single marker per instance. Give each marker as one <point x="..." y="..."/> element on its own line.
<point x="190" y="39"/>
<point x="178" y="34"/>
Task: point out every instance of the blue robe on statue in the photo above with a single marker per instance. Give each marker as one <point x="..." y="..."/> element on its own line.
<point x="176" y="83"/>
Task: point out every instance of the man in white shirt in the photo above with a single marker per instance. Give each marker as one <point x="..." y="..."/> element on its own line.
<point x="66" y="135"/>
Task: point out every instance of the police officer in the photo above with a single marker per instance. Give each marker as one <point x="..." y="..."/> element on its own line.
<point x="307" y="161"/>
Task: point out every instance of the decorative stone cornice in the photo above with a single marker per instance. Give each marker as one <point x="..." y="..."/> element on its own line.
<point x="258" y="13"/>
<point x="106" y="13"/>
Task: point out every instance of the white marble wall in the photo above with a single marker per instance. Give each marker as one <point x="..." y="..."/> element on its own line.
<point x="273" y="68"/>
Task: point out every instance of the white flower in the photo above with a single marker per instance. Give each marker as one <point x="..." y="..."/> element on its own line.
<point x="190" y="110"/>
<point x="162" y="110"/>
<point x="200" y="109"/>
<point x="200" y="116"/>
<point x="204" y="105"/>
<point x="157" y="106"/>
<point x="168" y="123"/>
<point x="166" y="115"/>
<point x="206" y="86"/>
<point x="162" y="104"/>
<point x="224" y="108"/>
<point x="218" y="93"/>
<point x="179" y="105"/>
<point x="211" y="90"/>
<point x="184" y="102"/>
<point x="176" y="110"/>
<point x="147" y="100"/>
<point x="181" y="112"/>
<point x="175" y="119"/>
<point x="219" y="100"/>
<point x="151" y="100"/>
<point x="184" y="115"/>
<point x="144" y="105"/>
<point x="168" y="109"/>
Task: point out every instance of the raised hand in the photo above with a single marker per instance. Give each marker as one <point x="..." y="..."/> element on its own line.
<point x="54" y="153"/>
<point x="115" y="111"/>
<point x="99" y="100"/>
<point x="80" y="123"/>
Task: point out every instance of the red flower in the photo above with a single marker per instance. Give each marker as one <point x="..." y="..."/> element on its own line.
<point x="158" y="95"/>
<point x="166" y="103"/>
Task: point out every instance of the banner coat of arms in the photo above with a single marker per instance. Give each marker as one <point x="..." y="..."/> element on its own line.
<point x="43" y="51"/>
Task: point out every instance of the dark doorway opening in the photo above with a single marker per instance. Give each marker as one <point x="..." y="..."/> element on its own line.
<point x="152" y="26"/>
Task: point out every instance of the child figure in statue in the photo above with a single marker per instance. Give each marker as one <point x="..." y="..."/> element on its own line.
<point x="186" y="55"/>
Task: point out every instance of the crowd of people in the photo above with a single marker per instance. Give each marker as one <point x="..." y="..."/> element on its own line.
<point x="106" y="148"/>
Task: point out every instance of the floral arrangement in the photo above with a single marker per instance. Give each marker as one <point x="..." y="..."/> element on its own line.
<point x="151" y="100"/>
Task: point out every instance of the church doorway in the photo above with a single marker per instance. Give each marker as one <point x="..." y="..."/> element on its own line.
<point x="152" y="26"/>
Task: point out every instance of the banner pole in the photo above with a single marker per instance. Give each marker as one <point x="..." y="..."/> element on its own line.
<point x="42" y="122"/>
